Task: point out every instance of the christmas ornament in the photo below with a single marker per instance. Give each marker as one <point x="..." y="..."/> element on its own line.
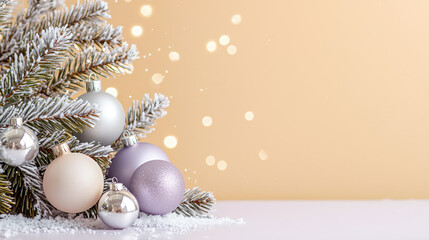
<point x="118" y="208"/>
<point x="133" y="155"/>
<point x="18" y="144"/>
<point x="111" y="122"/>
<point x="158" y="186"/>
<point x="73" y="182"/>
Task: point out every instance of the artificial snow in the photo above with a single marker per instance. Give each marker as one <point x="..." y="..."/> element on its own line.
<point x="155" y="226"/>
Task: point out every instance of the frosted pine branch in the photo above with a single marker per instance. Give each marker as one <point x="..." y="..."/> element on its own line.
<point x="28" y="72"/>
<point x="53" y="114"/>
<point x="91" y="11"/>
<point x="142" y="116"/>
<point x="6" y="195"/>
<point x="196" y="202"/>
<point x="17" y="39"/>
<point x="33" y="184"/>
<point x="104" y="63"/>
<point x="96" y="34"/>
<point x="6" y="8"/>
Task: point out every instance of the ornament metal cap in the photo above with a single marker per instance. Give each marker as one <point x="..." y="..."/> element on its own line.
<point x="129" y="139"/>
<point x="15" y="122"/>
<point x="61" y="149"/>
<point x="93" y="85"/>
<point x="115" y="186"/>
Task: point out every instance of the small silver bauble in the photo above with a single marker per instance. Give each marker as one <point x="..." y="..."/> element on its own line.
<point x="18" y="144"/>
<point x="118" y="208"/>
<point x="111" y="121"/>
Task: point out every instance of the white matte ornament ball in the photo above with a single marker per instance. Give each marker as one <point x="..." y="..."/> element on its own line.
<point x="111" y="121"/>
<point x="73" y="182"/>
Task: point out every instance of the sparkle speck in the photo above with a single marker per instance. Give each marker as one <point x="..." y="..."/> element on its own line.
<point x="174" y="56"/>
<point x="210" y="160"/>
<point x="211" y="46"/>
<point x="146" y="10"/>
<point x="207" y="121"/>
<point x="236" y="19"/>
<point x="112" y="91"/>
<point x="263" y="154"/>
<point x="222" y="165"/>
<point x="146" y="70"/>
<point x="159" y="49"/>
<point x="170" y="141"/>
<point x="232" y="50"/>
<point x="249" y="116"/>
<point x="137" y="31"/>
<point x="166" y="71"/>
<point x="224" y="40"/>
<point x="157" y="78"/>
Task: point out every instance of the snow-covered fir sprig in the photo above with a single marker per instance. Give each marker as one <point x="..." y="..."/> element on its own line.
<point x="196" y="203"/>
<point x="142" y="115"/>
<point x="52" y="114"/>
<point x="105" y="62"/>
<point x="30" y="70"/>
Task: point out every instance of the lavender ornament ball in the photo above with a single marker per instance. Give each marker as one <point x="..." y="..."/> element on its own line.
<point x="132" y="156"/>
<point x="158" y="186"/>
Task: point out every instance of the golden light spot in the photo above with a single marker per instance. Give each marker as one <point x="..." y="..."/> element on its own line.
<point x="137" y="31"/>
<point x="127" y="1"/>
<point x="157" y="78"/>
<point x="210" y="160"/>
<point x="236" y="19"/>
<point x="146" y="10"/>
<point x="113" y="91"/>
<point x="224" y="40"/>
<point x="249" y="116"/>
<point x="170" y="141"/>
<point x="263" y="155"/>
<point x="174" y="56"/>
<point x="222" y="165"/>
<point x="207" y="121"/>
<point x="211" y="46"/>
<point x="232" y="50"/>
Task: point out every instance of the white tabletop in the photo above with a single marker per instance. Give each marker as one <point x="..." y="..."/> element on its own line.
<point x="384" y="219"/>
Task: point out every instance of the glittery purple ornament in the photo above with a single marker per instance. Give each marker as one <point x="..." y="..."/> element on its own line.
<point x="132" y="156"/>
<point x="158" y="186"/>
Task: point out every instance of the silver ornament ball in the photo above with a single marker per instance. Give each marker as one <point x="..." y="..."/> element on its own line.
<point x="18" y="144"/>
<point x="111" y="122"/>
<point x="118" y="208"/>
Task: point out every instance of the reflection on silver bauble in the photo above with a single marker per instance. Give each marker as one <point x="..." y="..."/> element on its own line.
<point x="18" y="144"/>
<point x="111" y="122"/>
<point x="118" y="208"/>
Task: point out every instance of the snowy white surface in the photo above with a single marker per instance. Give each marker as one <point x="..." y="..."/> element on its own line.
<point x="146" y="225"/>
<point x="266" y="220"/>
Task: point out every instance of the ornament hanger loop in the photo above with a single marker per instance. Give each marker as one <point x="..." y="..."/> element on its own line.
<point x="93" y="76"/>
<point x="114" y="180"/>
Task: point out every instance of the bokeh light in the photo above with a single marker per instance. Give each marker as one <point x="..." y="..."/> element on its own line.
<point x="236" y="19"/>
<point x="137" y="31"/>
<point x="207" y="121"/>
<point x="112" y="91"/>
<point x="157" y="78"/>
<point x="211" y="46"/>
<point x="210" y="160"/>
<point x="146" y="10"/>
<point x="263" y="155"/>
<point x="170" y="141"/>
<point x="249" y="116"/>
<point x="224" y="40"/>
<point x="174" y="56"/>
<point x="232" y="50"/>
<point x="222" y="165"/>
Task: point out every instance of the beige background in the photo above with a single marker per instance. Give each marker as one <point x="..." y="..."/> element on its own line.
<point x="339" y="91"/>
